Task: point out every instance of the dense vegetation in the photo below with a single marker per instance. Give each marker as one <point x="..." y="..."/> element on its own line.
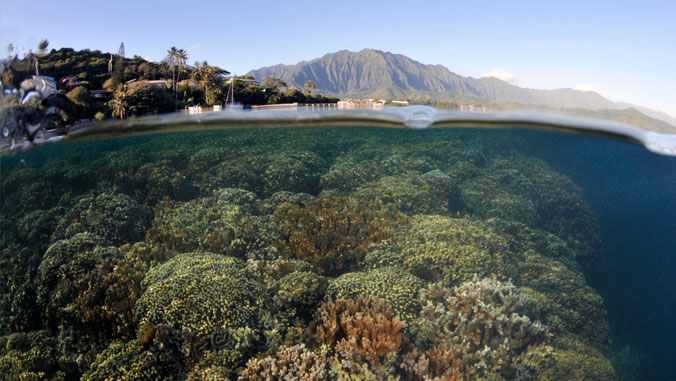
<point x="92" y="84"/>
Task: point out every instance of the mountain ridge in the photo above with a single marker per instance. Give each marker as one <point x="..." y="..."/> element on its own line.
<point x="372" y="73"/>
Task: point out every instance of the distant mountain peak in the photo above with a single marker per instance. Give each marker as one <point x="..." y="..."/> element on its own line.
<point x="372" y="73"/>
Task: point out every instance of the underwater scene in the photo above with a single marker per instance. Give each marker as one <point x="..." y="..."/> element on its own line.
<point x="338" y="253"/>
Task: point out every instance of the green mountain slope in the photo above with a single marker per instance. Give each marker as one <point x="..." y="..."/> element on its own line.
<point x="376" y="74"/>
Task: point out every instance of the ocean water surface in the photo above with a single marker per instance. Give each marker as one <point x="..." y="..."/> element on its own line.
<point x="338" y="252"/>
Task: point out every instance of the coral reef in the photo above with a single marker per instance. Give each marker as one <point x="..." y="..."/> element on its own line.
<point x="565" y="301"/>
<point x="342" y="232"/>
<point x="363" y="327"/>
<point x="222" y="354"/>
<point x="218" y="224"/>
<point x="395" y="286"/>
<point x="567" y="358"/>
<point x="114" y="217"/>
<point x="18" y="309"/>
<point x="453" y="249"/>
<point x="333" y="233"/>
<point x="411" y="193"/>
<point x="287" y="363"/>
<point x="34" y="356"/>
<point x="479" y="326"/>
<point x="123" y="361"/>
<point x="200" y="292"/>
<point x="65" y="265"/>
<point x="374" y="159"/>
<point x="266" y="170"/>
<point x="299" y="293"/>
<point x="108" y="294"/>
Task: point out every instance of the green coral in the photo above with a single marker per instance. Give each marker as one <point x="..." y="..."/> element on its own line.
<point x="453" y="249"/>
<point x="18" y="309"/>
<point x="65" y="266"/>
<point x="227" y="350"/>
<point x="200" y="292"/>
<point x="266" y="170"/>
<point x="567" y="358"/>
<point x="299" y="292"/>
<point x="395" y="286"/>
<point x="409" y="193"/>
<point x="115" y="217"/>
<point x="219" y="224"/>
<point x="373" y="159"/>
<point x="565" y="301"/>
<point x="123" y="361"/>
<point x="34" y="356"/>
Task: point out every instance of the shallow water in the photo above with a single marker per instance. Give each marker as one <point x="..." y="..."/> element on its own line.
<point x="227" y="253"/>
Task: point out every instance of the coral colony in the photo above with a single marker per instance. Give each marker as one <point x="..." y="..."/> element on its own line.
<point x="296" y="254"/>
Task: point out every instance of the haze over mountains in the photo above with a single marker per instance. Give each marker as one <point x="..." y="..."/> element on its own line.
<point x="376" y="74"/>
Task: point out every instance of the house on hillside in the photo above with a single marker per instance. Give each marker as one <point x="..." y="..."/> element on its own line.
<point x="158" y="84"/>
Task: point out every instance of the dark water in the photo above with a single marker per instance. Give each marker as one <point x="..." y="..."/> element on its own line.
<point x="338" y="253"/>
<point x="633" y="195"/>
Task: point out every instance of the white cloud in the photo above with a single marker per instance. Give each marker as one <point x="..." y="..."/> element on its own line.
<point x="195" y="46"/>
<point x="590" y="87"/>
<point x="503" y="75"/>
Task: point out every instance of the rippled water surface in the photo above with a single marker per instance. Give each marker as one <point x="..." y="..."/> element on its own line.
<point x="336" y="253"/>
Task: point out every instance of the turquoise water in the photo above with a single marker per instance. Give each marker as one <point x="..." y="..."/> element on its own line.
<point x="338" y="253"/>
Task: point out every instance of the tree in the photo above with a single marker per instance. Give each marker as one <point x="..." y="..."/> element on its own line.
<point x="309" y="86"/>
<point x="144" y="99"/>
<point x="273" y="89"/>
<point x="274" y="84"/>
<point x="119" y="104"/>
<point x="210" y="78"/>
<point x="172" y="55"/>
<point x="181" y="59"/>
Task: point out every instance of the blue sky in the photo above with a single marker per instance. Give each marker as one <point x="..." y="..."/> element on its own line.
<point x="624" y="49"/>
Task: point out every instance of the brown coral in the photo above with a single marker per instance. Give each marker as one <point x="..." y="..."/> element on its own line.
<point x="288" y="363"/>
<point x="364" y="326"/>
<point x="478" y="327"/>
<point x="107" y="295"/>
<point x="333" y="232"/>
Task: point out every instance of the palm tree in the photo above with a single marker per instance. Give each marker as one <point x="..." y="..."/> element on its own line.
<point x="172" y="54"/>
<point x="181" y="58"/>
<point x="119" y="104"/>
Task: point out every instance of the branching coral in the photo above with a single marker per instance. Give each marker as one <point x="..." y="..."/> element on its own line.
<point x="107" y="295"/>
<point x="287" y="363"/>
<point x="200" y="292"/>
<point x="115" y="217"/>
<point x="332" y="232"/>
<point x="412" y="193"/>
<point x="480" y="325"/>
<point x="64" y="266"/>
<point x="363" y="327"/>
<point x="395" y="286"/>
<point x="224" y="223"/>
<point x="453" y="250"/>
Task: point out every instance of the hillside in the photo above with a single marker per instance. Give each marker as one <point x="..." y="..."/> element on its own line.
<point x="376" y="74"/>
